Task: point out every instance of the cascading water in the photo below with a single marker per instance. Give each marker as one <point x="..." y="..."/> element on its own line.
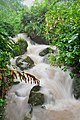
<point x="56" y="85"/>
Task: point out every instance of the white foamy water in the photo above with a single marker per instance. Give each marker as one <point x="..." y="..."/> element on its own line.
<point x="56" y="85"/>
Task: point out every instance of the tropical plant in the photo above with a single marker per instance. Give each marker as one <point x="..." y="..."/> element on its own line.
<point x="63" y="29"/>
<point x="58" y="22"/>
<point x="10" y="17"/>
<point x="33" y="18"/>
<point x="10" y="12"/>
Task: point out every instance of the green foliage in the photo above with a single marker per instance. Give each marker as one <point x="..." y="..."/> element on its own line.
<point x="10" y="17"/>
<point x="33" y="18"/>
<point x="9" y="29"/>
<point x="58" y="22"/>
<point x="10" y="14"/>
<point x="4" y="59"/>
<point x="2" y="104"/>
<point x="4" y="54"/>
<point x="20" y="47"/>
<point x="63" y="28"/>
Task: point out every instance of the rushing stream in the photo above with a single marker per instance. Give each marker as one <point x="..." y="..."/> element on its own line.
<point x="56" y="86"/>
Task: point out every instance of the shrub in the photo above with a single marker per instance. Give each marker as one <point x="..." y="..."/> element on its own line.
<point x="58" y="22"/>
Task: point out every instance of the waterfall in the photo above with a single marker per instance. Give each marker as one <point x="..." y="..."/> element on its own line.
<point x="56" y="85"/>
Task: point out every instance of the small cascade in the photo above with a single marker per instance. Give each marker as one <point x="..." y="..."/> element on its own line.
<point x="56" y="85"/>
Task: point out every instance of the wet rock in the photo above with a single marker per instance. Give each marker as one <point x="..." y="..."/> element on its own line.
<point x="16" y="82"/>
<point x="24" y="63"/>
<point x="28" y="117"/>
<point x="35" y="97"/>
<point x="23" y="45"/>
<point x="38" y="39"/>
<point x="19" y="62"/>
<point x="35" y="88"/>
<point x="46" y="51"/>
<point x="20" y="47"/>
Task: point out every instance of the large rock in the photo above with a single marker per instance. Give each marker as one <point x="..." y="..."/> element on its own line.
<point x="38" y="39"/>
<point x="24" y="63"/>
<point x="35" y="97"/>
<point x="46" y="51"/>
<point x="20" y="47"/>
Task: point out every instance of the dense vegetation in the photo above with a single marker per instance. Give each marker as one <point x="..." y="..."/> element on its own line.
<point x="10" y="15"/>
<point x="55" y="21"/>
<point x="58" y="22"/>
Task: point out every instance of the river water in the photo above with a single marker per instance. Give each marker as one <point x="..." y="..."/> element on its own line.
<point x="56" y="85"/>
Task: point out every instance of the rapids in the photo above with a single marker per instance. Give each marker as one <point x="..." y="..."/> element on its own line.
<point x="56" y="85"/>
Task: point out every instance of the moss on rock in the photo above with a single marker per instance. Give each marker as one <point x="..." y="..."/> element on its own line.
<point x="20" y="47"/>
<point x="35" y="97"/>
<point x="24" y="63"/>
<point x="46" y="51"/>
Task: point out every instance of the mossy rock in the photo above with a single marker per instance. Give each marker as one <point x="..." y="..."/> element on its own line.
<point x="26" y="63"/>
<point x="19" y="62"/>
<point x="35" y="97"/>
<point x="20" y="47"/>
<point x="38" y="39"/>
<point x="35" y="88"/>
<point x="19" y="58"/>
<point x="28" y="117"/>
<point x="46" y="51"/>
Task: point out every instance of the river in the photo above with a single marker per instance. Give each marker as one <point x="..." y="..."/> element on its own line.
<point x="56" y="85"/>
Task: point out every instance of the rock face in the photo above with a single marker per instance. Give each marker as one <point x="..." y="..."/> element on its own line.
<point x="46" y="51"/>
<point x="35" y="97"/>
<point x="24" y="63"/>
<point x="38" y="39"/>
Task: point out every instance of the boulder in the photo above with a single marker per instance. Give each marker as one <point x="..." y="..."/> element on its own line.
<point x="38" y="39"/>
<point x="20" y="47"/>
<point x="28" y="117"/>
<point x="35" y="97"/>
<point x="26" y="63"/>
<point x="46" y="51"/>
